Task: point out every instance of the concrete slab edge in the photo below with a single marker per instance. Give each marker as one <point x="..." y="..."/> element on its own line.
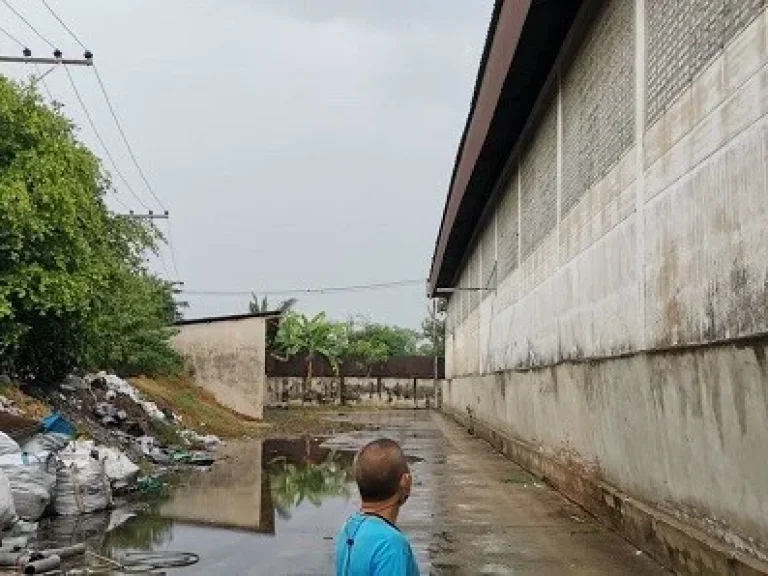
<point x="681" y="547"/>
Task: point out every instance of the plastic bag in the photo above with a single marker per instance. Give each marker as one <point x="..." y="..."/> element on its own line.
<point x="82" y="485"/>
<point x="46" y="442"/>
<point x="117" y="466"/>
<point x="32" y="478"/>
<point x="7" y="509"/>
<point x="8" y="445"/>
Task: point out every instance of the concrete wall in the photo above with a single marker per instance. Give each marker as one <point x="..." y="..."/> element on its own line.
<point x="635" y="224"/>
<point x="393" y="392"/>
<point x="228" y="360"/>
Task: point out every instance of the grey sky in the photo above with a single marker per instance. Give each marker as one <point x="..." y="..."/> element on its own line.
<point x="296" y="143"/>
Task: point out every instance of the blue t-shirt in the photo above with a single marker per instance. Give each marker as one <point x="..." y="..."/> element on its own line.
<point x="377" y="548"/>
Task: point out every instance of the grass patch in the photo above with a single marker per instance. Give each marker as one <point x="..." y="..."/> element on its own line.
<point x="197" y="407"/>
<point x="519" y="478"/>
<point x="200" y="411"/>
<point x="31" y="407"/>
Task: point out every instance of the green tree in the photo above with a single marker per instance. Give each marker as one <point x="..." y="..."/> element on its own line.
<point x="299" y="335"/>
<point x="433" y="331"/>
<point x="67" y="265"/>
<point x="379" y="342"/>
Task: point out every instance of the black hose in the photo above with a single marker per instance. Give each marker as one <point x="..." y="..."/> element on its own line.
<point x="146" y="561"/>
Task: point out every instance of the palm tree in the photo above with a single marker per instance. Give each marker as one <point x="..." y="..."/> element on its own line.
<point x="311" y="337"/>
<point x="292" y="484"/>
<point x="254" y="306"/>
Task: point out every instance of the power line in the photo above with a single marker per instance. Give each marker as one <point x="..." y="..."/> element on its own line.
<point x="41" y="78"/>
<point x="125" y="138"/>
<point x="101" y="140"/>
<point x="64" y="25"/>
<point x="12" y="37"/>
<point x="120" y="201"/>
<point x="296" y="291"/>
<point x="173" y="252"/>
<point x="29" y="24"/>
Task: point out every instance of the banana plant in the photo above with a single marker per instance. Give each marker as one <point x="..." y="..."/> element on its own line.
<point x="299" y="335"/>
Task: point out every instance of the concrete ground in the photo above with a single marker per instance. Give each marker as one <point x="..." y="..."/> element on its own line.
<point x="471" y="512"/>
<point x="475" y="512"/>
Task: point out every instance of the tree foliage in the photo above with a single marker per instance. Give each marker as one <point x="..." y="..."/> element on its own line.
<point x="433" y="331"/>
<point x="255" y="306"/>
<point x="299" y="335"/>
<point x="372" y="343"/>
<point x="74" y="290"/>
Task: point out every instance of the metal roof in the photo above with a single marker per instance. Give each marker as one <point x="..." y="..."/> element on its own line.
<point x="233" y="317"/>
<point x="523" y="42"/>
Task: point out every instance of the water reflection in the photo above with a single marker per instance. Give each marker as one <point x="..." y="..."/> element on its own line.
<point x="291" y="490"/>
<point x="313" y="475"/>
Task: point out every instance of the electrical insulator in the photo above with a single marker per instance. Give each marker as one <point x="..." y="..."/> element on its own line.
<point x="88" y="55"/>
<point x="27" y="53"/>
<point x="57" y="54"/>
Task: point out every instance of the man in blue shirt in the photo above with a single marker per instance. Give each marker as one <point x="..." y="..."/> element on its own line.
<point x="370" y="544"/>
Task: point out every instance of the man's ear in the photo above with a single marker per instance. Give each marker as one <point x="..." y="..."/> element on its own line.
<point x="406" y="483"/>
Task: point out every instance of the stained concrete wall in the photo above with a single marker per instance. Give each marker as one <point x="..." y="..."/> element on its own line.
<point x="228" y="357"/>
<point x="659" y="242"/>
<point x="392" y="392"/>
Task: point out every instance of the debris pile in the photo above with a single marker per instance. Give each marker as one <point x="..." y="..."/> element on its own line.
<point x="116" y="413"/>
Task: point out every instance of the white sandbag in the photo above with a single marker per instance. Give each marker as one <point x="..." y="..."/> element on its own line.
<point x="32" y="478"/>
<point x="82" y="485"/>
<point x="7" y="509"/>
<point x="46" y="442"/>
<point x="117" y="466"/>
<point x="8" y="445"/>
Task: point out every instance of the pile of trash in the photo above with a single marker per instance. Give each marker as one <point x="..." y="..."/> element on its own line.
<point x="127" y="418"/>
<point x="52" y="474"/>
<point x="9" y="406"/>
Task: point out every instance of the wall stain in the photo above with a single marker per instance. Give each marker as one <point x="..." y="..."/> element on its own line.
<point x="739" y="385"/>
<point x="697" y="409"/>
<point x="762" y="364"/>
<point x="717" y="407"/>
<point x="657" y="374"/>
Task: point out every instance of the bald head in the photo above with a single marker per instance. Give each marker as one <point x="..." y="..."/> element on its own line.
<point x="379" y="468"/>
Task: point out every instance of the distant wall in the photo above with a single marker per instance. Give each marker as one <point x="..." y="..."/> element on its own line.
<point x="396" y="367"/>
<point x="228" y="359"/>
<point x="367" y="391"/>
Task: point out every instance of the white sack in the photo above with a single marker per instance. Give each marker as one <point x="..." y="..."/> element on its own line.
<point x="32" y="478"/>
<point x="82" y="485"/>
<point x="7" y="509"/>
<point x="8" y="445"/>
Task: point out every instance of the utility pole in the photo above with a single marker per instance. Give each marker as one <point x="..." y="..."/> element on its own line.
<point x="148" y="216"/>
<point x="55" y="61"/>
<point x="434" y="349"/>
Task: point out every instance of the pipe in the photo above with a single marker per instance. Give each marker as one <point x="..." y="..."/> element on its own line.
<point x="42" y="566"/>
<point x="63" y="553"/>
<point x="10" y="558"/>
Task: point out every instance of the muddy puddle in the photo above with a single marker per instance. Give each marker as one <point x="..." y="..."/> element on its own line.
<point x="271" y="508"/>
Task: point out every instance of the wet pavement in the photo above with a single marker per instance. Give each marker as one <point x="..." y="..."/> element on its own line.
<point x="275" y="509"/>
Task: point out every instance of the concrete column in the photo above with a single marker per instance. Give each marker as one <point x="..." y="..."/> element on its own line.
<point x="519" y="214"/>
<point x="640" y="61"/>
<point x="559" y="160"/>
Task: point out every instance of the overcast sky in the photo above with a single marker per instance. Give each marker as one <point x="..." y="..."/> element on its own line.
<point x="297" y="144"/>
